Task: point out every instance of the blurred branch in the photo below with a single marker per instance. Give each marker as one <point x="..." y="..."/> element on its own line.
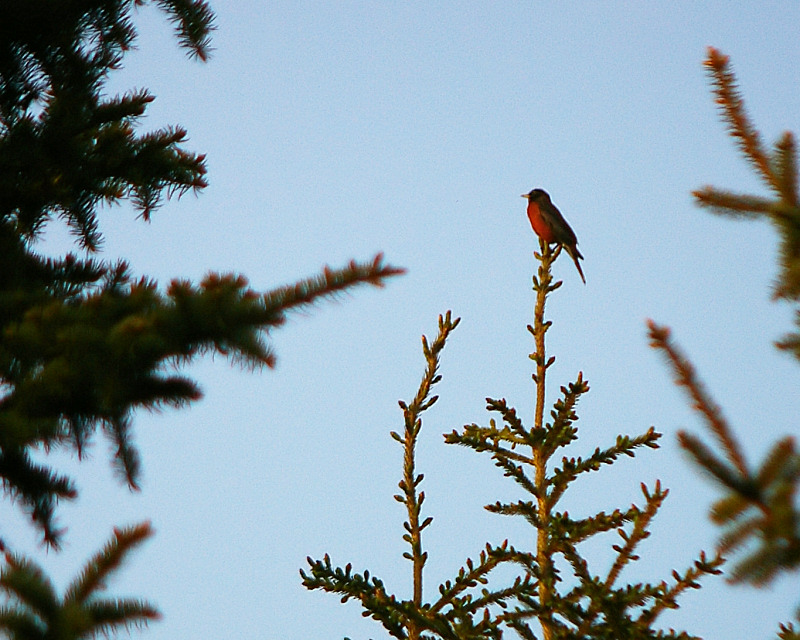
<point x="759" y="508"/>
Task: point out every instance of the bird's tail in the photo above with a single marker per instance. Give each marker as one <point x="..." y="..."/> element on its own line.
<point x="575" y="255"/>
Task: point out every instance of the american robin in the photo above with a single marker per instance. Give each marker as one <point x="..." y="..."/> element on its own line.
<point x="550" y="226"/>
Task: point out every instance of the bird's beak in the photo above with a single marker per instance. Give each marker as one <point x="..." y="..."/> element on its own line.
<point x="524" y="195"/>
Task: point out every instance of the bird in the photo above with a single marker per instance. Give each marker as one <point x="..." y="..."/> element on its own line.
<point x="550" y="226"/>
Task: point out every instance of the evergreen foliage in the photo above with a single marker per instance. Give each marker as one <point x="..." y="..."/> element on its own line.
<point x="84" y="341"/>
<point x="758" y="510"/>
<point x="36" y="612"/>
<point x="542" y="601"/>
<point x="758" y="507"/>
<point x="461" y="611"/>
<point x="777" y="169"/>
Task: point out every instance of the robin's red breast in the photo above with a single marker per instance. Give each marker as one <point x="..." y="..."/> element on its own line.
<point x="550" y="226"/>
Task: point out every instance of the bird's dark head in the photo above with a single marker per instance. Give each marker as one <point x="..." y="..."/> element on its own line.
<point x="537" y="195"/>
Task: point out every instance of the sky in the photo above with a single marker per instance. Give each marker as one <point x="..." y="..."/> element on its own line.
<point x="339" y="130"/>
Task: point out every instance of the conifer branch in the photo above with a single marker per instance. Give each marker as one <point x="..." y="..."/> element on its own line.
<point x="562" y="431"/>
<point x="370" y="591"/>
<point x="596" y="609"/>
<point x="727" y="475"/>
<point x="490" y="439"/>
<point x="733" y="205"/>
<point x="573" y="531"/>
<point x="36" y="610"/>
<point x="65" y="148"/>
<point x="37" y="488"/>
<point x="543" y="285"/>
<point x="759" y="506"/>
<point x="465" y="604"/>
<point x="330" y="283"/>
<point x="727" y="510"/>
<point x="524" y="508"/>
<point x="572" y="467"/>
<point x="194" y="22"/>
<point x="473" y="574"/>
<point x="669" y="594"/>
<point x="785" y="168"/>
<point x="742" y="526"/>
<point x="131" y="329"/>
<point x="23" y="580"/>
<point x="516" y="472"/>
<point x="730" y="102"/>
<point x="684" y="375"/>
<point x="777" y="169"/>
<point x="510" y="417"/>
<point x="413" y="423"/>
<point x="126" y="456"/>
<point x="93" y="576"/>
<point x="625" y="552"/>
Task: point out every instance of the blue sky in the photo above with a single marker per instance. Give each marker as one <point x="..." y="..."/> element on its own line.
<point x="337" y="130"/>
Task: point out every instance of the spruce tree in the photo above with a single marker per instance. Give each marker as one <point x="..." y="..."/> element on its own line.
<point x="84" y="341"/>
<point x="556" y="594"/>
